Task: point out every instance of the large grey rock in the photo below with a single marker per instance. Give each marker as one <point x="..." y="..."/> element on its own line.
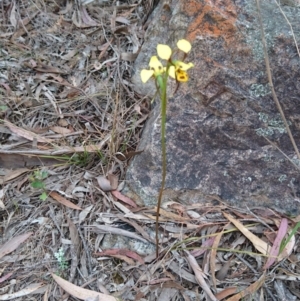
<point x="217" y="121"/>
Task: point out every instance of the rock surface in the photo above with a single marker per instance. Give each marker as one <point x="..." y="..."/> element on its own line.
<point x="216" y="123"/>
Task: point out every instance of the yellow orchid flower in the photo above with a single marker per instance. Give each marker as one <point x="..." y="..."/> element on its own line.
<point x="184" y="45"/>
<point x="156" y="69"/>
<point x="178" y="71"/>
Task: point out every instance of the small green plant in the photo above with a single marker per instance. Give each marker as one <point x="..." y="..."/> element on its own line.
<point x="61" y="260"/>
<point x="286" y="241"/>
<point x="80" y="159"/>
<point x="102" y="157"/>
<point x="37" y="182"/>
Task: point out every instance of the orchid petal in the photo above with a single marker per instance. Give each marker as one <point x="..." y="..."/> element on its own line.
<point x="183" y="66"/>
<point x="156" y="65"/>
<point x="146" y="75"/>
<point x="181" y="76"/>
<point x="184" y="45"/>
<point x="172" y="72"/>
<point x="164" y="51"/>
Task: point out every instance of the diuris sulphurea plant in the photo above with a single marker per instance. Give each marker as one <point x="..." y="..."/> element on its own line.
<point x="176" y="69"/>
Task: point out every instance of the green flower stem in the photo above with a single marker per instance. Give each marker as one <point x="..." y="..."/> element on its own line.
<point x="162" y="83"/>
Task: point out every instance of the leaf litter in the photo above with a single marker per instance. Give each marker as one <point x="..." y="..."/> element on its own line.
<point x="67" y="108"/>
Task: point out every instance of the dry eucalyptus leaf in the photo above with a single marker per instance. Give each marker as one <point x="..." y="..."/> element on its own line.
<point x="63" y="200"/>
<point x="79" y="292"/>
<point x="129" y="56"/>
<point x="14" y="174"/>
<point x="83" y="214"/>
<point x="86" y="17"/>
<point x="26" y="134"/>
<point x="258" y="243"/>
<point x="104" y="183"/>
<point x="60" y="130"/>
<point x="200" y="276"/>
<point x="123" y="198"/>
<point x="23" y="292"/>
<point x="13" y="244"/>
<point x="114" y="180"/>
<point x="12" y="17"/>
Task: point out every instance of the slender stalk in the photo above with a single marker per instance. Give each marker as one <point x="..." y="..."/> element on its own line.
<point x="163" y="96"/>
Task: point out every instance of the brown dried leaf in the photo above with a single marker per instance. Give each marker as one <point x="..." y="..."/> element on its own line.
<point x="258" y="244"/>
<point x="114" y="180"/>
<point x="226" y="292"/>
<point x="200" y="276"/>
<point x="60" y="130"/>
<point x="83" y="214"/>
<point x="5" y="277"/>
<point x="80" y="17"/>
<point x="79" y="292"/>
<point x="10" y="160"/>
<point x="124" y="198"/>
<point x="213" y="255"/>
<point x="86" y="17"/>
<point x="26" y="134"/>
<point x="13" y="244"/>
<point x="276" y="245"/>
<point x="12" y="16"/>
<point x="24" y="292"/>
<point x="12" y="174"/>
<point x="104" y="183"/>
<point x="129" y="56"/>
<point x="63" y="200"/>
